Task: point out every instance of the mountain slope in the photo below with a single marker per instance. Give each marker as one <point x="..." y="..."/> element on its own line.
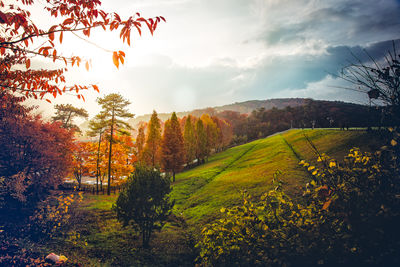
<point x="200" y="192"/>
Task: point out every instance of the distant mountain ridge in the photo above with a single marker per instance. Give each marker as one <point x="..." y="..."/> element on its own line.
<point x="241" y="107"/>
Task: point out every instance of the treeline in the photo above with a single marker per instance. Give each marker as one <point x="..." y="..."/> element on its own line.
<point x="314" y="114"/>
<point x="181" y="142"/>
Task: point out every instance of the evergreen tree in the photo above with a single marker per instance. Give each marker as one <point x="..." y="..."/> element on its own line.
<point x="212" y="133"/>
<point x="144" y="203"/>
<point x="173" y="153"/>
<point x="66" y="114"/>
<point x="153" y="141"/>
<point x="140" y="141"/>
<point x="113" y="111"/>
<point x="201" y="141"/>
<point x="189" y="140"/>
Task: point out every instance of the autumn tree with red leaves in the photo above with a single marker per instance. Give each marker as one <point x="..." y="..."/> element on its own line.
<point x="35" y="156"/>
<point x="21" y="40"/>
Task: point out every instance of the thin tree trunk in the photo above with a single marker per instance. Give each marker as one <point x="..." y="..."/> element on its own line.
<point x="97" y="165"/>
<point x="109" y="155"/>
<point x="67" y="120"/>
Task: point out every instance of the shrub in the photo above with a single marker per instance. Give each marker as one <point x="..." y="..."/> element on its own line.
<point x="144" y="203"/>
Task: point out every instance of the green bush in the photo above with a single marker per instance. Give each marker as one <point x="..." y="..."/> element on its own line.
<point x="144" y="203"/>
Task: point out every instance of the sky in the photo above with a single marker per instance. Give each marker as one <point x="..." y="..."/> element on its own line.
<point x="216" y="52"/>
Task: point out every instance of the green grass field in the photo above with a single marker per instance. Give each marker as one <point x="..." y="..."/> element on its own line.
<point x="199" y="194"/>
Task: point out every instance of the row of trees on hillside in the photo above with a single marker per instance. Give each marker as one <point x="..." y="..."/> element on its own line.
<point x="180" y="142"/>
<point x="168" y="146"/>
<point x="314" y="114"/>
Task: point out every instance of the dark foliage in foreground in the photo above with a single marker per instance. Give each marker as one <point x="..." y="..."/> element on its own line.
<point x="35" y="157"/>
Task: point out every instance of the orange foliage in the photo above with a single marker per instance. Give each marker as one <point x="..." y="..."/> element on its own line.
<point x="20" y="36"/>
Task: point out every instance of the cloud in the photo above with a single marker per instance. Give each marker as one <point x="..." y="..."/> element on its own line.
<point x="329" y="88"/>
<point x="336" y="22"/>
<point x="166" y="86"/>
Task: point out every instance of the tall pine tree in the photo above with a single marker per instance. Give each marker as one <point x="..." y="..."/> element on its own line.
<point x="153" y="141"/>
<point x="189" y="140"/>
<point x="66" y="114"/>
<point x="140" y="141"/>
<point x="113" y="111"/>
<point x="173" y="152"/>
<point x="201" y="141"/>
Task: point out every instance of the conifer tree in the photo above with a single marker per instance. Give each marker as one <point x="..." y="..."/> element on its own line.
<point x="172" y="148"/>
<point x="211" y="131"/>
<point x="65" y="113"/>
<point x="113" y="110"/>
<point x="189" y="140"/>
<point x="140" y="141"/>
<point x="201" y="141"/>
<point x="153" y="141"/>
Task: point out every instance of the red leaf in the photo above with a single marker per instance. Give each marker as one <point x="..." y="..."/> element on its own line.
<point x="68" y="21"/>
<point x="51" y="36"/>
<point x="28" y="63"/>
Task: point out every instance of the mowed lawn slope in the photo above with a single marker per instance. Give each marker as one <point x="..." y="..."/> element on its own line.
<point x="199" y="193"/>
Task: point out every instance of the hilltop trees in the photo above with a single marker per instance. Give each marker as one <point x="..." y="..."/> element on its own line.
<point x="20" y="37"/>
<point x="153" y="141"/>
<point x="113" y="111"/>
<point x="172" y="146"/>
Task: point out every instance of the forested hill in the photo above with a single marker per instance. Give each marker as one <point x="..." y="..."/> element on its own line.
<point x="241" y="107"/>
<point x="249" y="106"/>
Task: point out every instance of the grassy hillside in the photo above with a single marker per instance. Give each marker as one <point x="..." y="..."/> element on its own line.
<point x="200" y="192"/>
